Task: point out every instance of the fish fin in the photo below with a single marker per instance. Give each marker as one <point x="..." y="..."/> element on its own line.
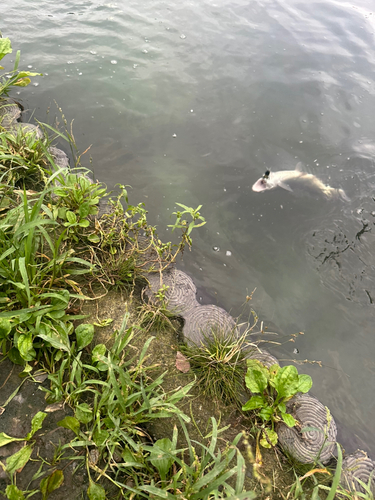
<point x="299" y="166"/>
<point x="285" y="186"/>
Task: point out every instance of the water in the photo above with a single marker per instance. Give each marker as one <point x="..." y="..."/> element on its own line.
<point x="191" y="103"/>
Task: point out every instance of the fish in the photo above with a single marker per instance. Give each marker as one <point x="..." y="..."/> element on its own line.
<point x="297" y="180"/>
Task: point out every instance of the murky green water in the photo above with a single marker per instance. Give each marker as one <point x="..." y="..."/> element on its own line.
<point x="190" y="102"/>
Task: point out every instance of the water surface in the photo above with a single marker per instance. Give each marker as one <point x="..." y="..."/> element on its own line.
<point x="191" y="103"/>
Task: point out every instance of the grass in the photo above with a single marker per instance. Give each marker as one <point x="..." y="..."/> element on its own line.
<point x="220" y="365"/>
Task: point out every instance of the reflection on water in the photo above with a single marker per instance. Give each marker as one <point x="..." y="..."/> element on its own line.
<point x="191" y="103"/>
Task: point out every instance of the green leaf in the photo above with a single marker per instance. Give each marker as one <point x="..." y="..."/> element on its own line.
<point x="25" y="347"/>
<point x="22" y="82"/>
<point x="255" y="380"/>
<point x="254" y="403"/>
<point x="84" y="223"/>
<point x="84" y="334"/>
<point x="5" y="325"/>
<point x="94" y="238"/>
<point x="70" y="423"/>
<point x="51" y="483"/>
<point x="162" y="461"/>
<point x="59" y="341"/>
<point x="95" y="491"/>
<point x="15" y="357"/>
<point x="281" y="407"/>
<point x="71" y="217"/>
<point x="84" y="209"/>
<point x="336" y="479"/>
<point x="272" y="438"/>
<point x="83" y="413"/>
<point x="266" y="413"/>
<point x="288" y="419"/>
<point x="17" y="462"/>
<point x="12" y="492"/>
<point x="100" y="437"/>
<point x="36" y="424"/>
<point x="5" y="439"/>
<point x="304" y="383"/>
<point x="5" y="47"/>
<point x="286" y="381"/>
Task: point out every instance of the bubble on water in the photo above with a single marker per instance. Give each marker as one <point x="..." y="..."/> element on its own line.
<point x="281" y="207"/>
<point x="373" y="214"/>
<point x="145" y="51"/>
<point x="35" y="84"/>
<point x="225" y="265"/>
<point x="182" y="36"/>
<point x="216" y="249"/>
<point x="29" y="66"/>
<point x="80" y="74"/>
<point x="295" y="351"/>
<point x="70" y="62"/>
<point x="45" y="74"/>
<point x="93" y="52"/>
<point x="113" y="61"/>
<point x="301" y="142"/>
<point x="100" y="67"/>
<point x="322" y="114"/>
<point x="228" y="253"/>
<point x="135" y="66"/>
<point x="192" y="111"/>
<point x="174" y="135"/>
<point x="225" y="189"/>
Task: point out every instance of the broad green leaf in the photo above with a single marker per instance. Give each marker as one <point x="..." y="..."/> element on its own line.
<point x="25" y="346"/>
<point x="95" y="491"/>
<point x="5" y="47"/>
<point x="5" y="325"/>
<point x="84" y="334"/>
<point x="84" y="223"/>
<point x="255" y="380"/>
<point x="304" y="383"/>
<point x="99" y="350"/>
<point x="5" y="439"/>
<point x="266" y="413"/>
<point x="281" y="407"/>
<point x="94" y="238"/>
<point x="70" y="423"/>
<point x="83" y="413"/>
<point x="51" y="483"/>
<point x="36" y="424"/>
<point x="22" y="82"/>
<point x="254" y="403"/>
<point x="18" y="461"/>
<point x="162" y="461"/>
<point x="12" y="492"/>
<point x="71" y="217"/>
<point x="100" y="437"/>
<point x="286" y="381"/>
<point x="272" y="438"/>
<point x="56" y="337"/>
<point x="15" y="357"/>
<point x="288" y="419"/>
<point x="84" y="209"/>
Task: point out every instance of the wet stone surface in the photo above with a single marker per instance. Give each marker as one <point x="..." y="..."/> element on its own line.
<point x="15" y="421"/>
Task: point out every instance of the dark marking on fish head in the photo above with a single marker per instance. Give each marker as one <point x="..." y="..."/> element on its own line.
<point x="260" y="185"/>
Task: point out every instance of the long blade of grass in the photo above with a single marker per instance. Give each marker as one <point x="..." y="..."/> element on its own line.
<point x="337" y="476"/>
<point x="25" y="278"/>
